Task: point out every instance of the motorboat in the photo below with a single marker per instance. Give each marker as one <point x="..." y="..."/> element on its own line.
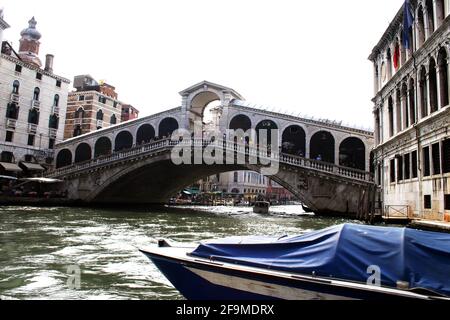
<point x="338" y="263"/>
<point x="261" y="207"/>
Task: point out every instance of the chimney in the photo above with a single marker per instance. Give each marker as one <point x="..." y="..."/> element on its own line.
<point x="49" y="63"/>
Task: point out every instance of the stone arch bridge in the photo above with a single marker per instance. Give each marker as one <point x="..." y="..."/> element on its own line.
<point x="326" y="165"/>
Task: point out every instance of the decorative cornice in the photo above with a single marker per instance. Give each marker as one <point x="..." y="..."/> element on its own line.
<point x="35" y="68"/>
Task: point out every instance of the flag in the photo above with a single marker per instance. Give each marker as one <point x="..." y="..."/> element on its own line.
<point x="408" y="21"/>
<point x="396" y="57"/>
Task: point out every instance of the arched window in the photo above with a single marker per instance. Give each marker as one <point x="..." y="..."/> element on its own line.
<point x="391" y="116"/>
<point x="53" y="122"/>
<point x="16" y="86"/>
<point x="443" y="77"/>
<point x="100" y="115"/>
<point x="389" y="63"/>
<point x="145" y="134"/>
<point x="398" y="111"/>
<point x="12" y="111"/>
<point x="423" y="93"/>
<point x="36" y="93"/>
<point x="412" y="102"/>
<point x="440" y="12"/>
<point x="352" y="154"/>
<point x="430" y="12"/>
<point x="113" y="119"/>
<point x="420" y="27"/>
<point x="323" y="147"/>
<point x="103" y="147"/>
<point x="79" y="113"/>
<point x="33" y="116"/>
<point x="433" y="86"/>
<point x="83" y="153"/>
<point x="405" y="106"/>
<point x="77" y="131"/>
<point x="56" y="100"/>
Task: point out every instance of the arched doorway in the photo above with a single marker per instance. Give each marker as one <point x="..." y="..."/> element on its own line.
<point x="167" y="127"/>
<point x="124" y="141"/>
<point x="322" y="147"/>
<point x="83" y="153"/>
<point x="352" y="154"/>
<point x="103" y="147"/>
<point x="265" y="130"/>
<point x="145" y="134"/>
<point x="201" y="106"/>
<point x="241" y="122"/>
<point x="64" y="158"/>
<point x="294" y="141"/>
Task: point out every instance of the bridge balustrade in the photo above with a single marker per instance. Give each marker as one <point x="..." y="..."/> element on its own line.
<point x="247" y="150"/>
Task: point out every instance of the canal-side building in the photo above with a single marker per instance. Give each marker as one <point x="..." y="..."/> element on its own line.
<point x="94" y="105"/>
<point x="412" y="115"/>
<point x="129" y="113"/>
<point x="33" y="103"/>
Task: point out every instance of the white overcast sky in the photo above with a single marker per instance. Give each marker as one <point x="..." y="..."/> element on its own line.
<point x="306" y="57"/>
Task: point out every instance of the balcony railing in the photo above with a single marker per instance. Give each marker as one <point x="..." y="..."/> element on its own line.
<point x="11" y="123"/>
<point x="35" y="104"/>
<point x="15" y="98"/>
<point x="52" y="133"/>
<point x="99" y="123"/>
<point x="32" y="128"/>
<point x="78" y="121"/>
<point x="56" y="110"/>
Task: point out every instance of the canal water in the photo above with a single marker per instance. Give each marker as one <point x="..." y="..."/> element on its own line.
<point x="42" y="248"/>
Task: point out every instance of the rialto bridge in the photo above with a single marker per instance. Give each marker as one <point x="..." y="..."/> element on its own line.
<point x="325" y="164"/>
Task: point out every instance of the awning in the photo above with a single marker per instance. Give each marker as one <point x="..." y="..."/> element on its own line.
<point x="33" y="166"/>
<point x="11" y="167"/>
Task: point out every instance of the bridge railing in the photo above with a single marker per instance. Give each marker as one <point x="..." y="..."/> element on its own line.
<point x="258" y="152"/>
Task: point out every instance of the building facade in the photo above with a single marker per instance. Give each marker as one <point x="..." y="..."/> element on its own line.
<point x="129" y="113"/>
<point x="412" y="115"/>
<point x="92" y="106"/>
<point x="32" y="105"/>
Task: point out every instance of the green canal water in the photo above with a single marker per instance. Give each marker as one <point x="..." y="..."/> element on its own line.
<point x="41" y="247"/>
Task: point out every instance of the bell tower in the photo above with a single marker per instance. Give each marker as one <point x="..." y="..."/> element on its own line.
<point x="29" y="44"/>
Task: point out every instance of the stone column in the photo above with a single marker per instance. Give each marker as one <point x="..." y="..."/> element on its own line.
<point x="376" y="78"/>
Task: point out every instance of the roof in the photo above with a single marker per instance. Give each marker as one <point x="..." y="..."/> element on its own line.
<point x="205" y="84"/>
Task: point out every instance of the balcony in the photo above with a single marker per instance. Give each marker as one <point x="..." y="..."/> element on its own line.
<point x="35" y="104"/>
<point x="52" y="133"/>
<point x="11" y="123"/>
<point x="15" y="98"/>
<point x="78" y="121"/>
<point x="56" y="110"/>
<point x="99" y="123"/>
<point x="32" y="128"/>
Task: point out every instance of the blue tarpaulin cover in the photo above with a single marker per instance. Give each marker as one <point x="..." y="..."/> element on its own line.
<point x="345" y="252"/>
